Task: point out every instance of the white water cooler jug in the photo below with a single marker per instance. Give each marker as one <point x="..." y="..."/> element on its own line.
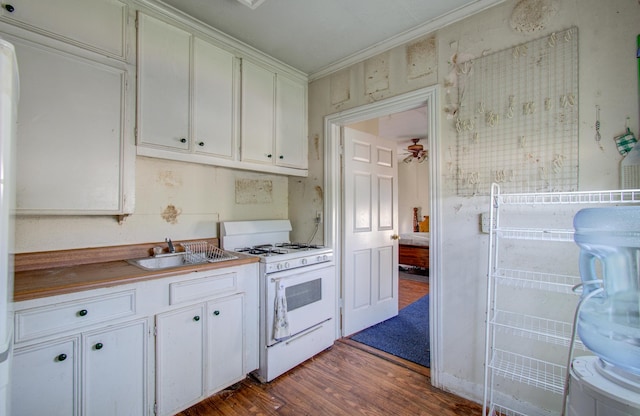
<point x="609" y="321"/>
<point x="609" y="317"/>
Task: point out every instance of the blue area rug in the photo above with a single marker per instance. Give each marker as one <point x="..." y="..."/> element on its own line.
<point x="405" y="336"/>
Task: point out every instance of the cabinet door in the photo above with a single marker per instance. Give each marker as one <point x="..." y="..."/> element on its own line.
<point x="114" y="370"/>
<point x="226" y="347"/>
<point x="44" y="379"/>
<point x="214" y="109"/>
<point x="291" y="125"/>
<point x="94" y="24"/>
<point x="179" y="358"/>
<point x="258" y="103"/>
<point x="72" y="134"/>
<point x="163" y="84"/>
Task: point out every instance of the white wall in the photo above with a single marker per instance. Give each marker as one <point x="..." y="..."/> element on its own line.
<point x="413" y="192"/>
<point x="173" y="199"/>
<point x="607" y="77"/>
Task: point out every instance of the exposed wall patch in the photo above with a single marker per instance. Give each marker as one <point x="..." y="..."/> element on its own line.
<point x="170" y="214"/>
<point x="532" y="15"/>
<point x="254" y="191"/>
<point x="421" y="57"/>
<point x="376" y="73"/>
<point x="340" y="87"/>
<point x="169" y="179"/>
<point x="319" y="193"/>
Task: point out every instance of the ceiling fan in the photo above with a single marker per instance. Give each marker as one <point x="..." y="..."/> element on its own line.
<point x="416" y="151"/>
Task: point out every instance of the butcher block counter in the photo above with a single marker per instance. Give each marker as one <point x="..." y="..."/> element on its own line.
<point x="52" y="273"/>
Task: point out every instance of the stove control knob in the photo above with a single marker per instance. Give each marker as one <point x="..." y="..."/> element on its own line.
<point x="303" y="261"/>
<point x="279" y="266"/>
<point x="286" y="265"/>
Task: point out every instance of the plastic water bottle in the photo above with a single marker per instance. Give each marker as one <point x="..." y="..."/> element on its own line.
<point x="609" y="320"/>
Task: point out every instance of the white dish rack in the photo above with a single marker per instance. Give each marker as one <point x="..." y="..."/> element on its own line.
<point x="202" y="251"/>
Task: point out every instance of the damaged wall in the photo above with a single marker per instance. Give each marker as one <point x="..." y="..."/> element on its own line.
<point x="607" y="78"/>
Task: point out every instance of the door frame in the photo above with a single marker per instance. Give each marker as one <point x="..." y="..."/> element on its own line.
<point x="333" y="182"/>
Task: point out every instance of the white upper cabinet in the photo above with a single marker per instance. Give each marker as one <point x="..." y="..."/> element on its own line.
<point x="98" y="25"/>
<point x="291" y="123"/>
<point x="258" y="110"/>
<point x="76" y="149"/>
<point x="274" y="113"/>
<point x="163" y="97"/>
<point x="186" y="104"/>
<point x="199" y="107"/>
<point x="214" y="111"/>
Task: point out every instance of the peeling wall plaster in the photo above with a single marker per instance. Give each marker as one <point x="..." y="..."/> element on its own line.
<point x="170" y="214"/>
<point x="376" y="73"/>
<point x="340" y="88"/>
<point x="532" y="15"/>
<point x="421" y="58"/>
<point x="254" y="191"/>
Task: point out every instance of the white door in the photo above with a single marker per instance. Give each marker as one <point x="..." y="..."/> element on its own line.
<point x="370" y="262"/>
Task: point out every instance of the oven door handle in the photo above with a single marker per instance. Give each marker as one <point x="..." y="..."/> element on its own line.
<point x="306" y="332"/>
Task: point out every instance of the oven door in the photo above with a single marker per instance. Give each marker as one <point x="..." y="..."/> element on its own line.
<point x="310" y="299"/>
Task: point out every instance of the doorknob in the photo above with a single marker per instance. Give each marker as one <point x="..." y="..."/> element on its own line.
<point x="395" y="237"/>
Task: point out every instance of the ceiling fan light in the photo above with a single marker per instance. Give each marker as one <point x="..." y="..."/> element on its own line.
<point x="408" y="159"/>
<point x="423" y="157"/>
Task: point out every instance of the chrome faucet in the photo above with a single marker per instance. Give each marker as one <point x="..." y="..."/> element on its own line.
<point x="172" y="249"/>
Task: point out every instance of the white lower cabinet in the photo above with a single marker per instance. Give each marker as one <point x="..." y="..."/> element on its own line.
<point x="103" y="372"/>
<point x="115" y="354"/>
<point x="45" y="379"/>
<point x="199" y="351"/>
<point x="179" y="358"/>
<point x="225" y="340"/>
<point x="94" y="352"/>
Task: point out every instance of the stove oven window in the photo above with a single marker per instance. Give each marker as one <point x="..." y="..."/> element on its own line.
<point x="303" y="294"/>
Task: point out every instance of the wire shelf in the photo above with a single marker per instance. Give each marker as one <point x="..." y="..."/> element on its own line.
<point x="622" y="196"/>
<point x="533" y="327"/>
<point x="498" y="410"/>
<point x="202" y="251"/>
<point x="559" y="283"/>
<point x="538" y="373"/>
<point x="536" y="234"/>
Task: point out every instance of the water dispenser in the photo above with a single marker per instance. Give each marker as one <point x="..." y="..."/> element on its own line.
<point x="609" y="319"/>
<point x="609" y="314"/>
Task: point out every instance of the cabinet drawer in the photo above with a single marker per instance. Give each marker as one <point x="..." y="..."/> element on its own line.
<point x="203" y="287"/>
<point x="48" y="320"/>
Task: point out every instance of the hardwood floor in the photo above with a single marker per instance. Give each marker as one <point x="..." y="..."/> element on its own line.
<point x="342" y="381"/>
<point x="348" y="379"/>
<point x="410" y="290"/>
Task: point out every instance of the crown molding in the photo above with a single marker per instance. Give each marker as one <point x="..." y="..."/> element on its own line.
<point x="405" y="37"/>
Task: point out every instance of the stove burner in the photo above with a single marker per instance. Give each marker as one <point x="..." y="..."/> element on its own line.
<point x="265" y="250"/>
<point x="299" y="246"/>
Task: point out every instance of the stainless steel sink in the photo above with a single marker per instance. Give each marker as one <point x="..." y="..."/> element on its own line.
<point x="166" y="261"/>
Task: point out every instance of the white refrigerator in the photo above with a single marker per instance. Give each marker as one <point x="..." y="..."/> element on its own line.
<point x="8" y="124"/>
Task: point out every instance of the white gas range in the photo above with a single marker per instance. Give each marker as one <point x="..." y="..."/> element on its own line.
<point x="297" y="292"/>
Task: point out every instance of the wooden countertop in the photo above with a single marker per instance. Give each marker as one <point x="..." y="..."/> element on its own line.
<point x="40" y="275"/>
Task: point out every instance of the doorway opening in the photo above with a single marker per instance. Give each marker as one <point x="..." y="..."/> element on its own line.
<point x="428" y="98"/>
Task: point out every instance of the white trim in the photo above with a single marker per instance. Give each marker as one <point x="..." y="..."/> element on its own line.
<point x="333" y="196"/>
<point x="405" y="37"/>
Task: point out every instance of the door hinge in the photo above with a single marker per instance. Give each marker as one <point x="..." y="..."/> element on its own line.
<point x="155" y="408"/>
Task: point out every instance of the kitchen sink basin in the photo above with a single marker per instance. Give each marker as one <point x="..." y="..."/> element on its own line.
<point x="166" y="261"/>
<point x="196" y="253"/>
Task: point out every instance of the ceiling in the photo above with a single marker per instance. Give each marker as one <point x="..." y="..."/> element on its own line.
<point x="320" y="36"/>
